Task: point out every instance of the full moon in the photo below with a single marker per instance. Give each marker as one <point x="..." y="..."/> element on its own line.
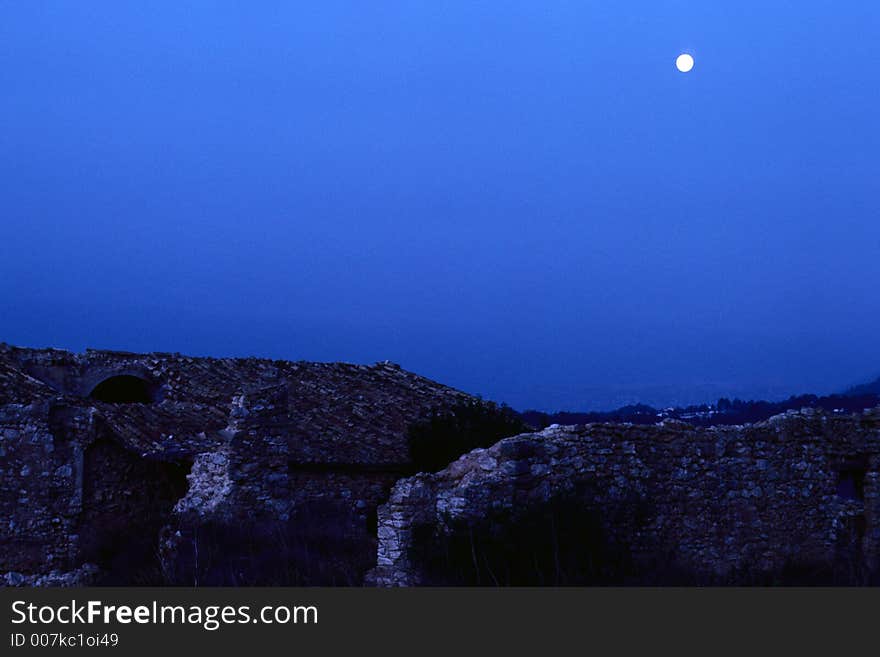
<point x="684" y="62"/>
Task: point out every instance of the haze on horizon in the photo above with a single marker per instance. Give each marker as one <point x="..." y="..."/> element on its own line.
<point x="523" y="200"/>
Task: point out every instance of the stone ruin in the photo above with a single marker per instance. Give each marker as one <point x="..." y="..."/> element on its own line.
<point x="793" y="500"/>
<point x="122" y="467"/>
<point x="119" y="468"/>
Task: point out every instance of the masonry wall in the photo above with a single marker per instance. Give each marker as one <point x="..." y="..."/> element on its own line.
<point x="288" y="462"/>
<point x="796" y="494"/>
<point x="40" y="489"/>
<point x="263" y="446"/>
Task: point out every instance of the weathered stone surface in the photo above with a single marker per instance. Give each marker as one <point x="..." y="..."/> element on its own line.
<point x="722" y="501"/>
<point x="294" y="448"/>
<point x="217" y="440"/>
<point x="82" y="576"/>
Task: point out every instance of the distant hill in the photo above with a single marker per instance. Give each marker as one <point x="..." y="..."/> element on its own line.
<point x="724" y="411"/>
<point x="870" y="388"/>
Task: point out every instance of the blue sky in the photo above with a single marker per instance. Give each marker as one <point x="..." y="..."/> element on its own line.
<point x="524" y="200"/>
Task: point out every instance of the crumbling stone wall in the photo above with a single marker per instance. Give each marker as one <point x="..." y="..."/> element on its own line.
<point x="281" y="521"/>
<point x="264" y="442"/>
<point x="718" y="505"/>
<point x="32" y="475"/>
<point x="280" y="462"/>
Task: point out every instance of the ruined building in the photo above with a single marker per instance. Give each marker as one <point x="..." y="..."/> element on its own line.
<point x="203" y="468"/>
<point x="162" y="469"/>
<point x="794" y="500"/>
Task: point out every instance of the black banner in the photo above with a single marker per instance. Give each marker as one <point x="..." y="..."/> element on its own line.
<point x="408" y="621"/>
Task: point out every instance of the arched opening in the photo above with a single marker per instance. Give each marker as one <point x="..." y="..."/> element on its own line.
<point x="123" y="389"/>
